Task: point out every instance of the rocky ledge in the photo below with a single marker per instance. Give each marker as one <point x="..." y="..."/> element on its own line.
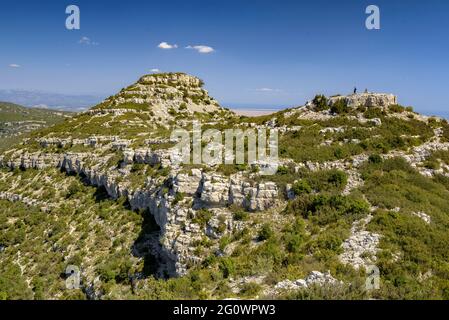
<point x="365" y="100"/>
<point x="176" y="218"/>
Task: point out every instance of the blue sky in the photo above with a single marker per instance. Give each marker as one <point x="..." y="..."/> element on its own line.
<point x="266" y="53"/>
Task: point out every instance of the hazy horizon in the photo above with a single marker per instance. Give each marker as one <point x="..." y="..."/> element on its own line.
<point x="79" y="102"/>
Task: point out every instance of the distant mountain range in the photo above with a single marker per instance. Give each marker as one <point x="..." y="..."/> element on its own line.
<point x="50" y="100"/>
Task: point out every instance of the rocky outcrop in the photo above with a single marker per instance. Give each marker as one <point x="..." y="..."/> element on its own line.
<point x="31" y="161"/>
<point x="187" y="184"/>
<point x="12" y="197"/>
<point x="93" y="141"/>
<point x="212" y="192"/>
<point x="219" y="191"/>
<point x="148" y="156"/>
<point x="365" y="100"/>
<point x="314" y="278"/>
<point x="162" y="95"/>
<point x="418" y="155"/>
<point x="178" y="233"/>
<point x="425" y="217"/>
<point x="354" y="181"/>
<point x="360" y="249"/>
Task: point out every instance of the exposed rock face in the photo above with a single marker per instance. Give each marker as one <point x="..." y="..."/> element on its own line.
<point x="365" y="100"/>
<point x="215" y="190"/>
<point x="220" y="191"/>
<point x="178" y="233"/>
<point x="148" y="156"/>
<point x="31" y="161"/>
<point x="314" y="278"/>
<point x="26" y="200"/>
<point x="361" y="247"/>
<point x="181" y="79"/>
<point x="188" y="184"/>
<point x="419" y="154"/>
<point x="93" y="141"/>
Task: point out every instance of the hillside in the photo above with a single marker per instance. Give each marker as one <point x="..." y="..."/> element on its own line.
<point x="15" y="121"/>
<point x="361" y="181"/>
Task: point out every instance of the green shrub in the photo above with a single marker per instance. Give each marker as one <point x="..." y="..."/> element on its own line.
<point x="73" y="189"/>
<point x="320" y="102"/>
<point x="224" y="241"/>
<point x="372" y="113"/>
<point x="221" y="224"/>
<point x="339" y="107"/>
<point x="179" y="196"/>
<point x="375" y="159"/>
<point x="137" y="167"/>
<point x="282" y="170"/>
<point x="338" y="178"/>
<point x="250" y="289"/>
<point x="325" y="209"/>
<point x="301" y="186"/>
<point x="340" y="153"/>
<point x="396" y="108"/>
<point x="294" y="236"/>
<point x="202" y="217"/>
<point x="434" y="165"/>
<point x="227" y="267"/>
<point x="265" y="232"/>
<point x="240" y="215"/>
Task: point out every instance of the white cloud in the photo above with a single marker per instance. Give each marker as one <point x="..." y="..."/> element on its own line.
<point x="13" y="65"/>
<point x="155" y="70"/>
<point x="87" y="41"/>
<point x="167" y="46"/>
<point x="268" y="90"/>
<point x="201" y="49"/>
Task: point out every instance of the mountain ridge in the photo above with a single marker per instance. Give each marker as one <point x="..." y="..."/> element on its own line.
<point x="55" y="101"/>
<point x="358" y="184"/>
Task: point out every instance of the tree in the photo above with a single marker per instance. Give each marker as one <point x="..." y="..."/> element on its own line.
<point x="320" y="102"/>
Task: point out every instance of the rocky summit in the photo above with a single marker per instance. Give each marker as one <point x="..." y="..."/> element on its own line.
<point x="367" y="99"/>
<point x="362" y="184"/>
<point x="163" y="95"/>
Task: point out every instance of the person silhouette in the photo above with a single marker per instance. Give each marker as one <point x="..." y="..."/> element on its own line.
<point x="355" y="90"/>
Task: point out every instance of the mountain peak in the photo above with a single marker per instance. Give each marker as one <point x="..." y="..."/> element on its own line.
<point x="164" y="94"/>
<point x="171" y="78"/>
